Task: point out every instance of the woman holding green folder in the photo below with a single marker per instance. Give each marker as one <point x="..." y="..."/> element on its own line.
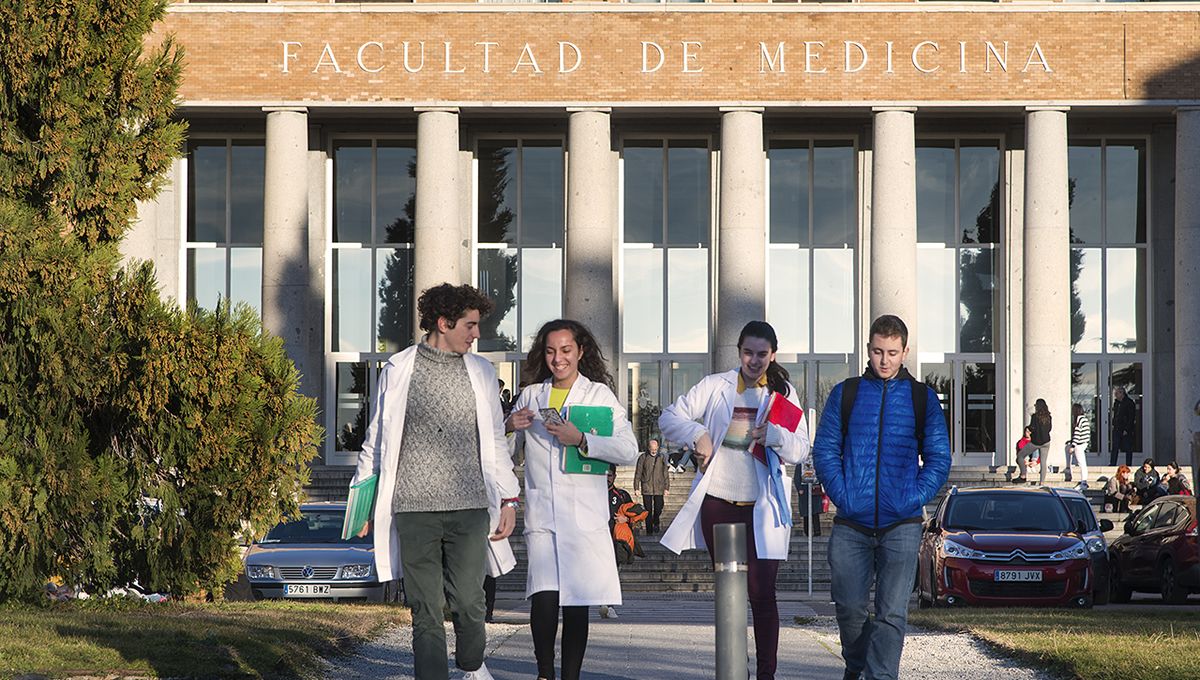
<point x="571" y="561"/>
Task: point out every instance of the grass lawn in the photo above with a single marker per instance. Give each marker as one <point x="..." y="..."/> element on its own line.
<point x="1097" y="644"/>
<point x="226" y="640"/>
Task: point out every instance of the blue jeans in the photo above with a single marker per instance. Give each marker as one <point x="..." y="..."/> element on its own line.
<point x="889" y="562"/>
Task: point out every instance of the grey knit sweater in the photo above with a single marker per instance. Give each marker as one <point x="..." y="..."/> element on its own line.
<point x="439" y="467"/>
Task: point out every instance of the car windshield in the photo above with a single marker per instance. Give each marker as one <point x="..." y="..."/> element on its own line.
<point x="1081" y="511"/>
<point x="1007" y="512"/>
<point x="314" y="526"/>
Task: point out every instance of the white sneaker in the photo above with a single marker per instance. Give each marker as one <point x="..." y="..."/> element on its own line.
<point x="482" y="673"/>
<point x="608" y="612"/>
<point x="604" y="611"/>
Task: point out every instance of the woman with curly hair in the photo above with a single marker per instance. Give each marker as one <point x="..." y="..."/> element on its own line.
<point x="571" y="561"/>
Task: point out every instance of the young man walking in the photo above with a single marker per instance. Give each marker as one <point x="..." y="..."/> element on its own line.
<point x="651" y="478"/>
<point x="446" y="496"/>
<point x="880" y="463"/>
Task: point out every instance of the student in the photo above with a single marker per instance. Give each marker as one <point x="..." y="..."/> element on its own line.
<point x="1040" y="424"/>
<point x="1024" y="462"/>
<point x="1081" y="435"/>
<point x="446" y="481"/>
<point x="717" y="417"/>
<point x="571" y="560"/>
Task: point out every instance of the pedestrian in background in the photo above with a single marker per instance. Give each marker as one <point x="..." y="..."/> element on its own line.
<point x="1039" y="442"/>
<point x="1124" y="416"/>
<point x="1081" y="436"/>
<point x="651" y="478"/>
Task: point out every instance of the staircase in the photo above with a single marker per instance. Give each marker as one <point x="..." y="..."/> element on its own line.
<point x="663" y="571"/>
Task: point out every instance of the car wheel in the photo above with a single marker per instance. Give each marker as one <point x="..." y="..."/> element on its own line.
<point x="1100" y="595"/>
<point x="1172" y="591"/>
<point x="1118" y="592"/>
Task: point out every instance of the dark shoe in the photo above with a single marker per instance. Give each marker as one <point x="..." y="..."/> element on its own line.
<point x="851" y="676"/>
<point x="1019" y="480"/>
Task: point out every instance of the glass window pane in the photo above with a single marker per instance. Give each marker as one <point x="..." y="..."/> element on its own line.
<point x="1126" y="279"/>
<point x="352" y="297"/>
<point x="1085" y="386"/>
<point x="395" y="192"/>
<point x="206" y="193"/>
<point x="979" y="399"/>
<point x="1130" y="376"/>
<point x="935" y="192"/>
<point x="352" y="193"/>
<point x="936" y="313"/>
<point x="979" y="193"/>
<point x="541" y="290"/>
<point x="687" y="299"/>
<point x="829" y="374"/>
<point x="684" y="376"/>
<point x="1087" y="329"/>
<point x="644" y="194"/>
<point x="246" y="187"/>
<point x="940" y="377"/>
<point x="977" y="302"/>
<point x="688" y="198"/>
<point x="835" y="195"/>
<point x="394" y="296"/>
<point x="1083" y="165"/>
<point x="542" y="194"/>
<point x="351" y="412"/>
<point x="788" y="299"/>
<point x="498" y="280"/>
<point x="245" y="277"/>
<point x="497" y="192"/>
<point x="642" y="316"/>
<point x="645" y="401"/>
<point x="1125" y="192"/>
<point x="789" y="192"/>
<point x="798" y="378"/>
<point x="833" y="300"/>
<point x="206" y="276"/>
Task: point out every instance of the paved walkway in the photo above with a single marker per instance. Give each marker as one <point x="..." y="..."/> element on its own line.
<point x="671" y="638"/>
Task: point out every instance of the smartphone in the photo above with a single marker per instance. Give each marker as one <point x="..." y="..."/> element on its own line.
<point x="551" y="415"/>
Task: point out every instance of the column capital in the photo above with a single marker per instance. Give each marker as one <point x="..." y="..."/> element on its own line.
<point x="589" y="109"/>
<point x="436" y="109"/>
<point x="886" y="109"/>
<point x="1035" y="109"/>
<point x="736" y="109"/>
<point x="285" y="109"/>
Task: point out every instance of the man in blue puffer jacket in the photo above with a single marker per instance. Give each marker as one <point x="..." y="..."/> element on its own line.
<point x="879" y="481"/>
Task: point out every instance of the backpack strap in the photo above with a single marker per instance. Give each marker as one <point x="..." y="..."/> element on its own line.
<point x="920" y="402"/>
<point x="849" y="392"/>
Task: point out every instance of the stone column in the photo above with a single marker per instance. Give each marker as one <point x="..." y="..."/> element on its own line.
<point x="437" y="227"/>
<point x="1046" y="310"/>
<point x="285" y="272"/>
<point x="591" y="226"/>
<point x="1187" y="293"/>
<point x="742" y="235"/>
<point x="894" y="222"/>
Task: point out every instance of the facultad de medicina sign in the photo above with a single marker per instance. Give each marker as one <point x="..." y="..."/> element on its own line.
<point x="652" y="57"/>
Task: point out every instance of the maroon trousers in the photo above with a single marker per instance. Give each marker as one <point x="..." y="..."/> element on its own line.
<point x="761" y="575"/>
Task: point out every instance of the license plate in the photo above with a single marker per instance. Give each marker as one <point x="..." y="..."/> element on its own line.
<point x="304" y="590"/>
<point x="1024" y="575"/>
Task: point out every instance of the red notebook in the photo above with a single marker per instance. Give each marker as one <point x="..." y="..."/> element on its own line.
<point x="782" y="413"/>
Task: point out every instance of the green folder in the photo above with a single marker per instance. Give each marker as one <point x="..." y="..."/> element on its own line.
<point x="597" y="420"/>
<point x="359" y="506"/>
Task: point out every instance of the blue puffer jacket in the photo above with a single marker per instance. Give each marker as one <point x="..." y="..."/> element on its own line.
<point x="875" y="480"/>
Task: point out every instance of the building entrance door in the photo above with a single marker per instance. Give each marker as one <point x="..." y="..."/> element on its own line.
<point x="967" y="389"/>
<point x="649" y="384"/>
<point x="1093" y="381"/>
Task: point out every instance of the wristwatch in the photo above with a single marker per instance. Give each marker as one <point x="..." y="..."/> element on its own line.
<point x="583" y="443"/>
<point x="513" y="503"/>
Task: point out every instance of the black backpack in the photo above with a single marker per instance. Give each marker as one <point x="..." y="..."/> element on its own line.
<point x="920" y="395"/>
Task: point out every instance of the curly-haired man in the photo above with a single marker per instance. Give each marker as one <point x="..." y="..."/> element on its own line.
<point x="446" y="482"/>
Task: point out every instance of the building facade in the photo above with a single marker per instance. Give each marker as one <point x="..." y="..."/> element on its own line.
<point x="1019" y="181"/>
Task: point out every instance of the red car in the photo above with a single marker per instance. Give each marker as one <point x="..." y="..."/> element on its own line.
<point x="1158" y="553"/>
<point x="1003" y="547"/>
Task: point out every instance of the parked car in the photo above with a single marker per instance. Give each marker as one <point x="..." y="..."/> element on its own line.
<point x="1094" y="529"/>
<point x="307" y="558"/>
<point x="1014" y="546"/>
<point x="1158" y="553"/>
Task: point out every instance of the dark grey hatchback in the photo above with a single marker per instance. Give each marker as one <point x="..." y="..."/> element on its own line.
<point x="306" y="558"/>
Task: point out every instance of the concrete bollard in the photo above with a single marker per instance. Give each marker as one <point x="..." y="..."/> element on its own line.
<point x="729" y="552"/>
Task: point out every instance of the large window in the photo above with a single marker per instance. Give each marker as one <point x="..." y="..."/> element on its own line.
<point x="521" y="213"/>
<point x="665" y="272"/>
<point x="959" y="305"/>
<point x="1109" y="277"/>
<point x="812" y="226"/>
<point x="223" y="261"/>
<point x="374" y="198"/>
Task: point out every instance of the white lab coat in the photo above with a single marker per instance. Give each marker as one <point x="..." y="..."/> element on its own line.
<point x="381" y="452"/>
<point x="566" y="515"/>
<point x="711" y="401"/>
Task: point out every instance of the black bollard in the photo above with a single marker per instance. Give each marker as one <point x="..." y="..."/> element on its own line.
<point x="729" y="552"/>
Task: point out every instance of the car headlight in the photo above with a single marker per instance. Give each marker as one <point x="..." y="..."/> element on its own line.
<point x="952" y="549"/>
<point x="259" y="571"/>
<point x="356" y="571"/>
<point x="1075" y="552"/>
<point x="1095" y="544"/>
